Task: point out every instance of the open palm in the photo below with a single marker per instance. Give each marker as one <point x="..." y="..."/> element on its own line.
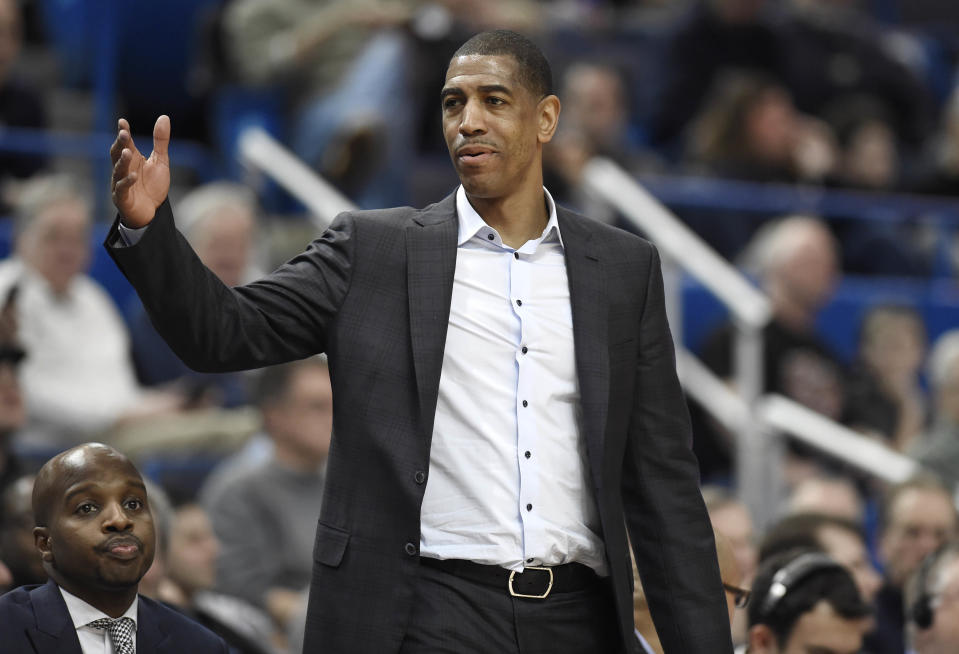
<point x="139" y="185"/>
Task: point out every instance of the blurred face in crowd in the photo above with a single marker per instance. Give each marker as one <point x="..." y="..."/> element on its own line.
<point x="301" y="422"/>
<point x="95" y="531"/>
<point x="57" y="243"/>
<point x="16" y="534"/>
<point x="192" y="550"/>
<point x="494" y="126"/>
<point x="920" y="520"/>
<point x="818" y="631"/>
<point x="11" y="37"/>
<point x="734" y="522"/>
<point x="894" y="345"/>
<point x="224" y="242"/>
<point x="942" y="637"/>
<point x="771" y="127"/>
<point x="849" y="550"/>
<point x="836" y="497"/>
<point x="595" y="103"/>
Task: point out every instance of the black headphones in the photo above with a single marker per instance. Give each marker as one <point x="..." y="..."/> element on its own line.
<point x="921" y="612"/>
<point x="786" y="578"/>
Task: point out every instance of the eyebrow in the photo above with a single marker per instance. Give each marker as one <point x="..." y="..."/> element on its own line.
<point x="83" y="488"/>
<point x="486" y="88"/>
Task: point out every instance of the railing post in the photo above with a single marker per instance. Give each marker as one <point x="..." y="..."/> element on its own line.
<point x="673" y="288"/>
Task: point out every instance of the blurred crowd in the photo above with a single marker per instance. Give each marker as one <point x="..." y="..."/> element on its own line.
<point x="826" y="94"/>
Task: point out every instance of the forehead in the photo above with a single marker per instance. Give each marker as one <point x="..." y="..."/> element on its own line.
<point x="102" y="471"/>
<point x="922" y="505"/>
<point x="481" y="70"/>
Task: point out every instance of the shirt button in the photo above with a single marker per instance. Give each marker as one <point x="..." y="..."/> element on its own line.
<point x="490" y="236"/>
<point x="529" y="560"/>
<point x="516" y="255"/>
<point x="525" y="403"/>
<point x="527" y="454"/>
<point x="524" y="350"/>
<point x="529" y="507"/>
<point x="410" y="549"/>
<point x="419" y="477"/>
<point x="519" y="303"/>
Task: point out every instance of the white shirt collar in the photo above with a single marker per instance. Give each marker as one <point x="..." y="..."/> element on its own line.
<point x="83" y="614"/>
<point x="470" y="222"/>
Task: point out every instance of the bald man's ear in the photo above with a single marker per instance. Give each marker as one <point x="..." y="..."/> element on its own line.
<point x="762" y="640"/>
<point x="43" y="543"/>
<point x="549" y="109"/>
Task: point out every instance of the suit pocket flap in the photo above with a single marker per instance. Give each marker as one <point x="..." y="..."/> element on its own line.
<point x="330" y="544"/>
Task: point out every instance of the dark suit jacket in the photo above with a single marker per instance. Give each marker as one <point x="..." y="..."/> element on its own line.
<point x="374" y="293"/>
<point x="35" y="620"/>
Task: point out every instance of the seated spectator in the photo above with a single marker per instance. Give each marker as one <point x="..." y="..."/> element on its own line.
<point x="94" y="533"/>
<point x="219" y="221"/>
<point x="840" y="538"/>
<point x="21" y="104"/>
<point x="805" y="602"/>
<point x="77" y="378"/>
<point x="13" y="413"/>
<point x="938" y="448"/>
<point x="266" y="514"/>
<point x="190" y="574"/>
<point x="917" y="517"/>
<point x="832" y="495"/>
<point x="933" y="601"/>
<point x="736" y="595"/>
<point x="885" y="395"/>
<point x="749" y="129"/>
<point x="942" y="178"/>
<point x="17" y="550"/>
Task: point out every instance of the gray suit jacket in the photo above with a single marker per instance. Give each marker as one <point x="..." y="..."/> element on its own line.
<point x="374" y="293"/>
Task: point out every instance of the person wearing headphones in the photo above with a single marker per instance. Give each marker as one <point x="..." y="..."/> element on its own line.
<point x="803" y="602"/>
<point x="933" y="600"/>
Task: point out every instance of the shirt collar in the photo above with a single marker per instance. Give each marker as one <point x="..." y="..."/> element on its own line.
<point x="83" y="614"/>
<point x="471" y="223"/>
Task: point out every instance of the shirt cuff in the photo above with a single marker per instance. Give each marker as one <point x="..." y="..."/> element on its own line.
<point x="129" y="236"/>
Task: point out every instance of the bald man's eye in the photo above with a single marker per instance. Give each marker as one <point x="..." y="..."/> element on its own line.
<point x="86" y="508"/>
<point x="133" y="505"/>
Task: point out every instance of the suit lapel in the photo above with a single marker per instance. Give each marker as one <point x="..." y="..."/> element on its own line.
<point x="149" y="635"/>
<point x="54" y="633"/>
<point x="431" y="262"/>
<point x="588" y="300"/>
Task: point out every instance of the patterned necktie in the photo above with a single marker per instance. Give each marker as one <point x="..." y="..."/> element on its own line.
<point x="121" y="633"/>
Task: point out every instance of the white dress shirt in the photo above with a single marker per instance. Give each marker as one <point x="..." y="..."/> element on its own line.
<point x="94" y="641"/>
<point x="509" y="481"/>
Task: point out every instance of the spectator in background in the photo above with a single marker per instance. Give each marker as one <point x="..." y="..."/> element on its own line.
<point x="933" y="601"/>
<point x="265" y="515"/>
<point x="13" y="413"/>
<point x="917" y="518"/>
<point x="885" y="395"/>
<point x="943" y="153"/>
<point x="21" y="105"/>
<point x="219" y="220"/>
<point x="938" y="448"/>
<point x="749" y="129"/>
<point x="190" y="563"/>
<point x="17" y="550"/>
<point x="713" y="38"/>
<point x="805" y="602"/>
<point x="840" y="538"/>
<point x="77" y="378"/>
<point x="831" y="495"/>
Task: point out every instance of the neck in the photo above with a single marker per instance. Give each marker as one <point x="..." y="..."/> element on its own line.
<point x="517" y="218"/>
<point x="295" y="460"/>
<point x="112" y="602"/>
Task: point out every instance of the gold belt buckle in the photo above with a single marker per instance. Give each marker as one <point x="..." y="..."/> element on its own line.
<point x="530" y="567"/>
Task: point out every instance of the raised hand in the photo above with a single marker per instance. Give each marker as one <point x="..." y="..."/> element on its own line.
<point x="140" y="185"/>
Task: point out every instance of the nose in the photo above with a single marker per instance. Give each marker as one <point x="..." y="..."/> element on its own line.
<point x="115" y="518"/>
<point x="472" y="120"/>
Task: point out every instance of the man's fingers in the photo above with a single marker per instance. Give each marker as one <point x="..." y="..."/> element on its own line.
<point x="161" y="139"/>
<point x="121" y="188"/>
<point x="121" y="165"/>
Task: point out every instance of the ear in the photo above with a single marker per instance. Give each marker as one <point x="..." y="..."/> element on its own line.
<point x="548" y="108"/>
<point x="43" y="542"/>
<point x="762" y="640"/>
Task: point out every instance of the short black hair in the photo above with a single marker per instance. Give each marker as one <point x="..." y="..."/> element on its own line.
<point x="831" y="583"/>
<point x="534" y="71"/>
<point x="801" y="530"/>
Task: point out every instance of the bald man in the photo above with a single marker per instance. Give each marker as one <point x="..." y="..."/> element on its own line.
<point x="94" y="533"/>
<point x="729" y="572"/>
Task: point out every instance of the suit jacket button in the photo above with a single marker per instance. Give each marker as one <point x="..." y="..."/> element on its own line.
<point x="410" y="549"/>
<point x="419" y="477"/>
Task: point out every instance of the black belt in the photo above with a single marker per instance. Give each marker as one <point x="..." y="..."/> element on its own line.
<point x="535" y="582"/>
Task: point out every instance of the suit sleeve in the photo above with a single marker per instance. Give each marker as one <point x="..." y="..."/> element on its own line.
<point x="665" y="514"/>
<point x="213" y="328"/>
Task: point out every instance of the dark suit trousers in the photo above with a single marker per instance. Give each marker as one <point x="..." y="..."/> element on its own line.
<point x="453" y="615"/>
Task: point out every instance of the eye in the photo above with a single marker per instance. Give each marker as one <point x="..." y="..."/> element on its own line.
<point x="133" y="504"/>
<point x="449" y="103"/>
<point x="86" y="508"/>
<point x="495" y="100"/>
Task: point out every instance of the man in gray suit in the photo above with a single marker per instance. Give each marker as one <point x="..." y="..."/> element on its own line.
<point x="505" y="394"/>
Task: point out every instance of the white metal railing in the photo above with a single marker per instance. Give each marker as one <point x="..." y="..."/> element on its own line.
<point x="261" y="151"/>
